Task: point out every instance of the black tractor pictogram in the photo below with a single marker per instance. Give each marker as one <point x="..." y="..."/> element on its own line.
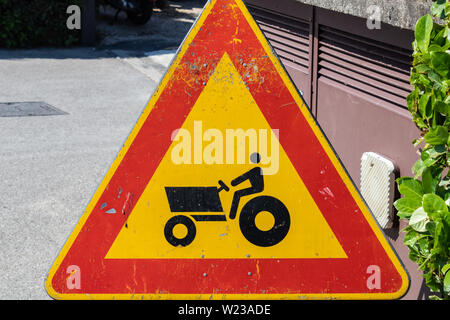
<point x="196" y="200"/>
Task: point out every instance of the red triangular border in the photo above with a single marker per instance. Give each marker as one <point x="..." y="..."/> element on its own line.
<point x="217" y="35"/>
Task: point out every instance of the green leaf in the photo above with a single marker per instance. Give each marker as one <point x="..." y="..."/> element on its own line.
<point x="423" y="80"/>
<point x="440" y="38"/>
<point x="438" y="8"/>
<point x="435" y="48"/>
<point x="410" y="188"/>
<point x="411" y="238"/>
<point x="440" y="239"/>
<point x="418" y="168"/>
<point x="442" y="107"/>
<point x="413" y="255"/>
<point x="441" y="62"/>
<point x="431" y="176"/>
<point x="422" y="68"/>
<point x="433" y="203"/>
<point x="447" y="283"/>
<point x="425" y="106"/>
<point x="445" y="268"/>
<point x="424" y="245"/>
<point x="422" y="32"/>
<point x="431" y="227"/>
<point x="420" y="123"/>
<point x="434" y="152"/>
<point x="437" y="135"/>
<point x="418" y="220"/>
<point x="432" y="282"/>
<point x="411" y="100"/>
<point x="428" y="162"/>
<point x="406" y="206"/>
<point x="446" y="219"/>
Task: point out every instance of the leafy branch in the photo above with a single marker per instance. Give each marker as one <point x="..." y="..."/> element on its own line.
<point x="426" y="196"/>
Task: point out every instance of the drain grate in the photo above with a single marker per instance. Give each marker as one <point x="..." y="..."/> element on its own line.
<point x="28" y="109"/>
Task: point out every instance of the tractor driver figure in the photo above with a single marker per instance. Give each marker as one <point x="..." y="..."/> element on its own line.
<point x="256" y="179"/>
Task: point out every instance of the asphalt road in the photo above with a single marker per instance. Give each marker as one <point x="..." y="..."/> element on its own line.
<point x="50" y="166"/>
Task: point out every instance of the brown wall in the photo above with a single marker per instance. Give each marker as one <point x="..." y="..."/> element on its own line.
<point x="355" y="81"/>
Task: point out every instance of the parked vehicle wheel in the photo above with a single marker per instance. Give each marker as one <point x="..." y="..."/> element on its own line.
<point x="143" y="15"/>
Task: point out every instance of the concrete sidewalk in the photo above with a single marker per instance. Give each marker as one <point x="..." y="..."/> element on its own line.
<point x="50" y="166"/>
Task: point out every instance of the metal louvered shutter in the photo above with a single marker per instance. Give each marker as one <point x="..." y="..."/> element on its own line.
<point x="355" y="80"/>
<point x="361" y="88"/>
<point x="375" y="70"/>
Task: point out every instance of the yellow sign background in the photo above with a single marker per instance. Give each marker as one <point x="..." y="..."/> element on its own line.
<point x="225" y="103"/>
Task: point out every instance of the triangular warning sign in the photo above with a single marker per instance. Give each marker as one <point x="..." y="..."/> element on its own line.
<point x="226" y="188"/>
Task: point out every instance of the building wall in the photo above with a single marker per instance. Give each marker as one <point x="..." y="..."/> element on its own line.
<point x="355" y="81"/>
<point x="399" y="13"/>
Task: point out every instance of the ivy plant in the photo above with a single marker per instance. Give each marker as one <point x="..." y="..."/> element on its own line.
<point x="426" y="196"/>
